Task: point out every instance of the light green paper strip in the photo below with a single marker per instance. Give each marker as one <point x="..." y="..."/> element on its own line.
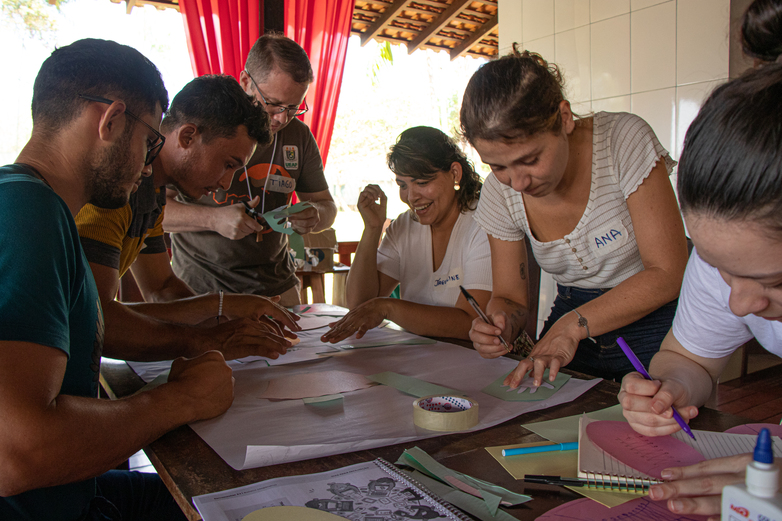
<point x="413" y="386"/>
<point x="467" y="502"/>
<point x="492" y="501"/>
<point x="322" y="399"/>
<point x="423" y="462"/>
<point x="565" y="430"/>
<point x="502" y="392"/>
<point x="296" y="243"/>
<point x="275" y="217"/>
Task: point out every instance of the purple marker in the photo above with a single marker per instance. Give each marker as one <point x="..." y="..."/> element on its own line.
<point x="640" y="368"/>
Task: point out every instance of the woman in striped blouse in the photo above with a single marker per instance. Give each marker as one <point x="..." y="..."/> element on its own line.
<point x="593" y="197"/>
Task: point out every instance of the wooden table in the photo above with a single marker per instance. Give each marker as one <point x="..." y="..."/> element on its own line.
<point x="189" y="467"/>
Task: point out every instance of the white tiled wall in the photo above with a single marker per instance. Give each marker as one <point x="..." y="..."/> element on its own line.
<point x="656" y="58"/>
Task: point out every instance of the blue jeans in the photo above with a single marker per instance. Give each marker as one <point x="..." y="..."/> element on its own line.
<point x="604" y="358"/>
<point x="132" y="496"/>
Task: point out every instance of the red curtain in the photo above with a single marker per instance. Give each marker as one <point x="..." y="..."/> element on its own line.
<point x="220" y="33"/>
<point x="322" y="28"/>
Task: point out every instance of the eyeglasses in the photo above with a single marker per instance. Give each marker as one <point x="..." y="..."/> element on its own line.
<point x="152" y="150"/>
<point x="276" y="108"/>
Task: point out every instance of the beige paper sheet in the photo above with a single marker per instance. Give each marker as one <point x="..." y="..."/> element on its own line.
<point x="563" y="464"/>
<point x="309" y="385"/>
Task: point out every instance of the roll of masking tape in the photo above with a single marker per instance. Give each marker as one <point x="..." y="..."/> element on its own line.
<point x="445" y="413"/>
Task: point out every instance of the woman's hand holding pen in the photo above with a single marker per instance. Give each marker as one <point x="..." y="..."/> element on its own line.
<point x="647" y="404"/>
<point x="486" y="337"/>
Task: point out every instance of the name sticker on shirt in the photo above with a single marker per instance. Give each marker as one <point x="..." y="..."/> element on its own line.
<point x="454" y="278"/>
<point x="608" y="239"/>
<point x="279" y="183"/>
<point x="290" y="154"/>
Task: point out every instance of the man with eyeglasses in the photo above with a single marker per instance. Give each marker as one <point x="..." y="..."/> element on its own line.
<point x="211" y="129"/>
<point x="219" y="244"/>
<point x="96" y="105"/>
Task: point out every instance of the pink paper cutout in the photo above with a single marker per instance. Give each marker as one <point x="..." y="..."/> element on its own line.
<point x="311" y="385"/>
<point x="641" y="509"/>
<point x="755" y="428"/>
<point x="643" y="453"/>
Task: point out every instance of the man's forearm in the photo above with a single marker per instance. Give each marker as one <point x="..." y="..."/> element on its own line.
<point x="135" y="336"/>
<point x="85" y="437"/>
<point x="183" y="217"/>
<point x="192" y="310"/>
<point x="327" y="213"/>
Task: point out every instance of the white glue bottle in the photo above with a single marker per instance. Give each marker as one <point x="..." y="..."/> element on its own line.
<point x="757" y="499"/>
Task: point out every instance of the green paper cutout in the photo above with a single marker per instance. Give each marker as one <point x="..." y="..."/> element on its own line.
<point x="502" y="392"/>
<point x="467" y="502"/>
<point x="296" y="243"/>
<point x="412" y="386"/>
<point x="492" y="501"/>
<point x="423" y="462"/>
<point x="565" y="430"/>
<point x="276" y="217"/>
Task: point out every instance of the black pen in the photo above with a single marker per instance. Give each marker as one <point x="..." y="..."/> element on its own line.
<point x="481" y="314"/>
<point x="630" y="485"/>
<point x="252" y="212"/>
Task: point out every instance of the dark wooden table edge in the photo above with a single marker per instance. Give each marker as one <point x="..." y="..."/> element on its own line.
<point x="130" y="382"/>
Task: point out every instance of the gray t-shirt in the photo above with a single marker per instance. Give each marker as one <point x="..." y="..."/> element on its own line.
<point x="208" y="262"/>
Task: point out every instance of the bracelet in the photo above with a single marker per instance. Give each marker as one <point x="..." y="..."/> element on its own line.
<point x="220" y="306"/>
<point x="582" y="322"/>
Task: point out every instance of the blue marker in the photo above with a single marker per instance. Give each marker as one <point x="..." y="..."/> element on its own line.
<point x="541" y="448"/>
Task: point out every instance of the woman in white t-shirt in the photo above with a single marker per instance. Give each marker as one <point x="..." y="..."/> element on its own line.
<point x="429" y="250"/>
<point x="730" y="190"/>
<point x="593" y="197"/>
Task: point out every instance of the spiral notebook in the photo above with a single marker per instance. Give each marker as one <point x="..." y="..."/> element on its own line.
<point x="375" y="490"/>
<point x="603" y="470"/>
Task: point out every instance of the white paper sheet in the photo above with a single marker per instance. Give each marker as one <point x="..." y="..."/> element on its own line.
<point x="309" y="348"/>
<point x="255" y="433"/>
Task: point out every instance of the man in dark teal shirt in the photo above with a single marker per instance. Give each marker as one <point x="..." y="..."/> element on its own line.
<point x="96" y="107"/>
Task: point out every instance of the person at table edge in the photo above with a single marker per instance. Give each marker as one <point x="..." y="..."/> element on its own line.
<point x="730" y="190"/>
<point x="96" y="107"/>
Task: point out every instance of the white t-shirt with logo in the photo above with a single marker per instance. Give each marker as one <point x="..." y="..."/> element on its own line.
<point x="601" y="250"/>
<point x="405" y="254"/>
<point x="705" y="325"/>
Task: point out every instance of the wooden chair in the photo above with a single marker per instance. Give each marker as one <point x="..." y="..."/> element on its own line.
<point x="345" y="251"/>
<point x="533" y="292"/>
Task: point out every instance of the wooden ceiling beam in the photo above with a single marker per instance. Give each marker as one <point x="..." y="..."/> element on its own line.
<point x="390" y="12"/>
<point x="479" y="33"/>
<point x="441" y="21"/>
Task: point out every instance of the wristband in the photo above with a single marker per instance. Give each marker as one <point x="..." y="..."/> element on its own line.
<point x="582" y="322"/>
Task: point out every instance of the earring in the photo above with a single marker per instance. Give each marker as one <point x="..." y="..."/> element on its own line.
<point x="456" y="187"/>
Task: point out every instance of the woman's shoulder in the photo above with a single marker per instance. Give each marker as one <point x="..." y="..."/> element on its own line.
<point x="618" y="123"/>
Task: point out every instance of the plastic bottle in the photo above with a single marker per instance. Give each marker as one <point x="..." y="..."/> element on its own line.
<point x="757" y="499"/>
